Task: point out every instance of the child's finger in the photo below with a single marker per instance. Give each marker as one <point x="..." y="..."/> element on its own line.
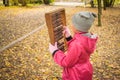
<point x="55" y="43"/>
<point x="50" y="44"/>
<point x="64" y="27"/>
<point x="63" y="31"/>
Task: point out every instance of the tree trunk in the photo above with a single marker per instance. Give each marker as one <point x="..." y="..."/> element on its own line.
<point x="24" y="3"/>
<point x="47" y="2"/>
<point x="6" y="2"/>
<point x="104" y="4"/>
<point x="110" y="3"/>
<point x="92" y="3"/>
<point x="99" y="12"/>
<point x="15" y="2"/>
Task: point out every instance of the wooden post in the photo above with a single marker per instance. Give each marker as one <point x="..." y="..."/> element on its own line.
<point x="55" y="21"/>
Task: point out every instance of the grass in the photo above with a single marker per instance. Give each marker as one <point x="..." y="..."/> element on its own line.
<point x="28" y="6"/>
<point x="32" y="5"/>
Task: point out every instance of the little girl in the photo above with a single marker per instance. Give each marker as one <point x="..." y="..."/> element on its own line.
<point x="75" y="62"/>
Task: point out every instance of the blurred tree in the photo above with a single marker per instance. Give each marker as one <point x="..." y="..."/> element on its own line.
<point x="15" y="2"/>
<point x="47" y="2"/>
<point x="6" y="2"/>
<point x="109" y="3"/>
<point x="92" y="3"/>
<point x="23" y="2"/>
<point x="99" y="12"/>
<point x="35" y="1"/>
<point x="104" y="4"/>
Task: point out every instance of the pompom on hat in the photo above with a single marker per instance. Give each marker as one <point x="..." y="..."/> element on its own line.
<point x="82" y="21"/>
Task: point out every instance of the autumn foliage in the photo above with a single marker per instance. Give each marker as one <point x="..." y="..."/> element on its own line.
<point x="30" y="58"/>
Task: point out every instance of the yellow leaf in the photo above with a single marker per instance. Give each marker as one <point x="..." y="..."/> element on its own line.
<point x="36" y="79"/>
<point x="55" y="78"/>
<point x="7" y="64"/>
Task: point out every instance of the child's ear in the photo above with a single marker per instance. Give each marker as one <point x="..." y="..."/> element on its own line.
<point x="94" y="14"/>
<point x="84" y="16"/>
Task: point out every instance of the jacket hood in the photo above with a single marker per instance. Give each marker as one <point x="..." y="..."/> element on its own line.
<point x="88" y="41"/>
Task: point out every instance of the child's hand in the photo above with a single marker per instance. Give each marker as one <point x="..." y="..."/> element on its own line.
<point x="53" y="48"/>
<point x="66" y="32"/>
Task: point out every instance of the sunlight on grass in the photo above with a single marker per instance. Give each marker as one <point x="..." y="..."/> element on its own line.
<point x="3" y="7"/>
<point x="15" y="7"/>
<point x="32" y="5"/>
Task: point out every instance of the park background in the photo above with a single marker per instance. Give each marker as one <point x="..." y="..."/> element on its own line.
<point x="24" y="39"/>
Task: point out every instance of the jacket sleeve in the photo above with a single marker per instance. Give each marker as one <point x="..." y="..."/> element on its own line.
<point x="69" y="38"/>
<point x="68" y="59"/>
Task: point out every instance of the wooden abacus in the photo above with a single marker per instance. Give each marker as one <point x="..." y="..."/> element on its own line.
<point x="55" y="21"/>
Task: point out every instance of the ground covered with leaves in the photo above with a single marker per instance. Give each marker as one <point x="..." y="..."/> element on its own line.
<point x="30" y="59"/>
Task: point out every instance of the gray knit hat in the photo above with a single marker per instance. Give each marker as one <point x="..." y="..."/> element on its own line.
<point x="82" y="21"/>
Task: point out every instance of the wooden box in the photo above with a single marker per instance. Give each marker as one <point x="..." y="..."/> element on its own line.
<point x="55" y="21"/>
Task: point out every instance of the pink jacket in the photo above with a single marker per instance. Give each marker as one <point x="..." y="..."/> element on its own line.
<point x="76" y="61"/>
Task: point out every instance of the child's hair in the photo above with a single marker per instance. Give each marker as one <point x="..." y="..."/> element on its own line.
<point x="82" y="21"/>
